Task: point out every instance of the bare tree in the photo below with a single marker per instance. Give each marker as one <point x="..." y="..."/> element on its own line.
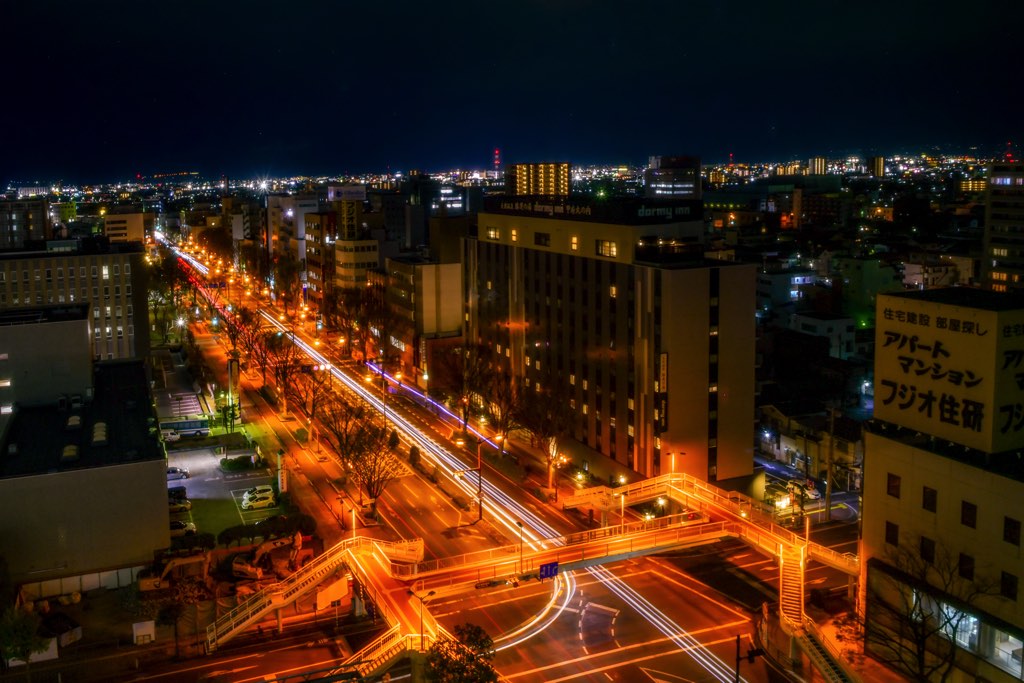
<point x="283" y="357"/>
<point x="917" y="609"/>
<point x="345" y="314"/>
<point x="548" y="417"/>
<point x="504" y="405"/>
<point x="374" y="463"/>
<point x="286" y="278"/>
<point x="314" y="386"/>
<point x="463" y="373"/>
<point x="363" y="442"/>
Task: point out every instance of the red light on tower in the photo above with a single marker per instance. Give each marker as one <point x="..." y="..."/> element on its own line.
<point x="497" y="159"/>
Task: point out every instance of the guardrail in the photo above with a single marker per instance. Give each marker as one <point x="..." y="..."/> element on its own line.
<point x="504" y="553"/>
<point x="692" y="492"/>
<point x="283" y="592"/>
<point x="505" y="561"/>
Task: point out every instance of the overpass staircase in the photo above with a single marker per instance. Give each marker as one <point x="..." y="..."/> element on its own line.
<point x="283" y="593"/>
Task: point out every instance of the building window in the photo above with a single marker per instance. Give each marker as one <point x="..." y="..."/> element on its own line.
<point x="515" y="235"/>
<point x="892" y="533"/>
<point x="966" y="567"/>
<point x="574" y="243"/>
<point x="542" y="239"/>
<point x="493" y="234"/>
<point x="969" y="514"/>
<point x="606" y="248"/>
<point x="928" y="549"/>
<point x="892" y="485"/>
<point x="1011" y="530"/>
<point x="613" y="291"/>
<point x="930" y="499"/>
<point x="1008" y="585"/>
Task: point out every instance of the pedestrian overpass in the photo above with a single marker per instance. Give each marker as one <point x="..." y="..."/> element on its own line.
<point x="389" y="571"/>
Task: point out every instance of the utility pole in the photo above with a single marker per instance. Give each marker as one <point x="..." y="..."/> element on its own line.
<point x="828" y="464"/>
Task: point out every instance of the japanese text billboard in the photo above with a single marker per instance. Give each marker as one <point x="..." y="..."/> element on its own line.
<point x="951" y="371"/>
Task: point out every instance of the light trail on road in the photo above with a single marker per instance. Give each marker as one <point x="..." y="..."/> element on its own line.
<point x="703" y="656"/>
<point x="508" y="511"/>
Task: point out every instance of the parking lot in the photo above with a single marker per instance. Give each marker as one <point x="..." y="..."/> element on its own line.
<point x="216" y="496"/>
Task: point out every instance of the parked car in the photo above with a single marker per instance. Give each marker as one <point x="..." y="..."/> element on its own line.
<point x="262" y="490"/>
<point x="179" y="505"/>
<point x="181" y="528"/>
<point x="264" y="500"/>
<point x="798" y="487"/>
<point x="176" y="493"/>
<point x="170" y="435"/>
<point x="176" y="473"/>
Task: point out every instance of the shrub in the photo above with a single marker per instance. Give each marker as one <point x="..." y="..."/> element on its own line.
<point x="414" y="456"/>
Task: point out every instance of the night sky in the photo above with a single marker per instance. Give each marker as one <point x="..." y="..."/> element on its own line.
<point x="102" y="91"/>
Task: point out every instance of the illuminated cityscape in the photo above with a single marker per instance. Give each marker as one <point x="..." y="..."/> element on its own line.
<point x="527" y="343"/>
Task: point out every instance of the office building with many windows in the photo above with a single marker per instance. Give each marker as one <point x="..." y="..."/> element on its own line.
<point x="110" y="277"/>
<point x="551" y="179"/>
<point x="614" y="303"/>
<point x="1003" y="255"/>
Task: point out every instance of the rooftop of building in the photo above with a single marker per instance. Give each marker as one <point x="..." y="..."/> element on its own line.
<point x="45" y="314"/>
<point x="122" y="404"/>
<point x="822" y="315"/>
<point x="967" y="297"/>
<point x="1008" y="464"/>
<point x="73" y="246"/>
<point x="613" y="210"/>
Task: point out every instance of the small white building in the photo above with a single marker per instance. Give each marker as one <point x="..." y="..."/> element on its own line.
<point x="839" y="330"/>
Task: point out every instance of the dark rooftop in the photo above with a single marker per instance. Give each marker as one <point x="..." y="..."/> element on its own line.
<point x="968" y="297"/>
<point x="122" y="402"/>
<point x="44" y="314"/>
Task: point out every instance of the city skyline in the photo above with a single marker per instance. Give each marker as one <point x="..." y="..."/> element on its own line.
<point x="106" y="96"/>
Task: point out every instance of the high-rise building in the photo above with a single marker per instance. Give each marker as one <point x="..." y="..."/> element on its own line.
<point x="817" y="166"/>
<point x="613" y="303"/>
<point x="675" y="177"/>
<point x="944" y="480"/>
<point x="112" y="278"/>
<point x="22" y="220"/>
<point x="551" y="179"/>
<point x="1003" y="254"/>
<point x="876" y="166"/>
<point x="125" y="227"/>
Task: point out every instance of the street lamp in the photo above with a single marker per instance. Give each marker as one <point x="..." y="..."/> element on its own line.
<point x="480" y="479"/>
<point x="622" y="512"/>
<point x="421" y="599"/>
<point x="520" y="547"/>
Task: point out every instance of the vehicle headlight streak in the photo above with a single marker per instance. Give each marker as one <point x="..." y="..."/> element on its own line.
<point x="566" y="588"/>
<point x="693" y="647"/>
<point x="537" y="533"/>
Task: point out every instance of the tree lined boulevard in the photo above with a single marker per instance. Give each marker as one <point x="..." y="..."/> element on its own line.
<point x="412" y="506"/>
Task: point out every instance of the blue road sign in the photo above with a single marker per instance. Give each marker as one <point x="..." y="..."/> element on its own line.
<point x="549" y="570"/>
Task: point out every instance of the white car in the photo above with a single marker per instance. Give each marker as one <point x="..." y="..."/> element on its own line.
<point x="798" y="487"/>
<point x="260" y="501"/>
<point x="170" y="435"/>
<point x="262" y="490"/>
<point x="179" y="528"/>
<point x="177" y="473"/>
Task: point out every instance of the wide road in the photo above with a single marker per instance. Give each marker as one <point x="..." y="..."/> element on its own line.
<point x="600" y="635"/>
<point x="648" y="619"/>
